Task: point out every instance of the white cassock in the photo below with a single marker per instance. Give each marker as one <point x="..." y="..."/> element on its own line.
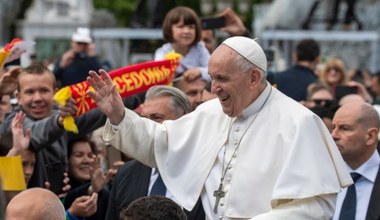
<point x="286" y="165"/>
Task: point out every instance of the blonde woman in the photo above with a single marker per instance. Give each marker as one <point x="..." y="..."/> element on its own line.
<point x="335" y="76"/>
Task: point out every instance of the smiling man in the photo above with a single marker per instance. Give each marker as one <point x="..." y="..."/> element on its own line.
<point x="36" y="87"/>
<point x="252" y="153"/>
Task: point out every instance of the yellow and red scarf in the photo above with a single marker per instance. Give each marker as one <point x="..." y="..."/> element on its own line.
<point x="129" y="80"/>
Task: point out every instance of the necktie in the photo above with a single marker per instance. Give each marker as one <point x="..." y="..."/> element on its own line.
<point x="158" y="187"/>
<point x="349" y="204"/>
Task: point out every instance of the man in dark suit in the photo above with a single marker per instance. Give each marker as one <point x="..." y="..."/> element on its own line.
<point x="294" y="81"/>
<point x="356" y="128"/>
<point x="134" y="179"/>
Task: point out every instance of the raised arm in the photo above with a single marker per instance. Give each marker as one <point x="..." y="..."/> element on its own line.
<point x="21" y="139"/>
<point x="106" y="96"/>
<point x="234" y="25"/>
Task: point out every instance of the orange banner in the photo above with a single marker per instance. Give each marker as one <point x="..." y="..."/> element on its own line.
<point x="129" y="80"/>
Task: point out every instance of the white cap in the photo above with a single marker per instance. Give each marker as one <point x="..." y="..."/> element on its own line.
<point x="82" y="35"/>
<point x="249" y="49"/>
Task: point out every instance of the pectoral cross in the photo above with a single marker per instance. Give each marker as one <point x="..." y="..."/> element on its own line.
<point x="218" y="195"/>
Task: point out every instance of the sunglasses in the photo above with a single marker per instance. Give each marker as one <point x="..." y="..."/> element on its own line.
<point x="323" y="102"/>
<point x="82" y="43"/>
<point x="336" y="69"/>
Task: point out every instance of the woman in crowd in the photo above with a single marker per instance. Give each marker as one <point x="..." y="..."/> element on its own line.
<point x="87" y="179"/>
<point x="335" y="76"/>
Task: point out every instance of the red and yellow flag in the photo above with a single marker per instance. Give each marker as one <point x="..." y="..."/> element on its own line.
<point x="129" y="80"/>
<point x="13" y="50"/>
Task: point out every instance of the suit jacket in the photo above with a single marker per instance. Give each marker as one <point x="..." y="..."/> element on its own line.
<point x="131" y="183"/>
<point x="294" y="81"/>
<point x="373" y="211"/>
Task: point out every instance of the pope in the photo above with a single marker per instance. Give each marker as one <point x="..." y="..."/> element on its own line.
<point x="252" y="153"/>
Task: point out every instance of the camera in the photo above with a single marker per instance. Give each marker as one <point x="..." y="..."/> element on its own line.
<point x="81" y="55"/>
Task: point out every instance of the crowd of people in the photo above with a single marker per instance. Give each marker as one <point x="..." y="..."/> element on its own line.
<point x="223" y="142"/>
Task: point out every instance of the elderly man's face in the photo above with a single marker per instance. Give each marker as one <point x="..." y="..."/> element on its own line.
<point x="232" y="87"/>
<point x="349" y="135"/>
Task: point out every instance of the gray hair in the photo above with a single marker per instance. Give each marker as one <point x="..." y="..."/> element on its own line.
<point x="245" y="65"/>
<point x="179" y="102"/>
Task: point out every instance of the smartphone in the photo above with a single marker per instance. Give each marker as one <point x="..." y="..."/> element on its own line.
<point x="213" y="22"/>
<point x="341" y="91"/>
<point x="55" y="176"/>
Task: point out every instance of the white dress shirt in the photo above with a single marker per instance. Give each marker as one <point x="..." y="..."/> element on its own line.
<point x="363" y="185"/>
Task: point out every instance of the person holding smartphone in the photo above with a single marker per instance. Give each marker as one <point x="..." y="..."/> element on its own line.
<point x="227" y="21"/>
<point x="335" y="76"/>
<point x="73" y="66"/>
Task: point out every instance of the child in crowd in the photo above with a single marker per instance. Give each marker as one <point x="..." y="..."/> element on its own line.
<point x="21" y="140"/>
<point x="182" y="31"/>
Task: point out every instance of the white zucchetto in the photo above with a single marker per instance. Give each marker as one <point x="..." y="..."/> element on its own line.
<point x="249" y="49"/>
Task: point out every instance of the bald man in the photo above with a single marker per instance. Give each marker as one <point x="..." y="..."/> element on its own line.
<point x="35" y="204"/>
<point x="356" y="125"/>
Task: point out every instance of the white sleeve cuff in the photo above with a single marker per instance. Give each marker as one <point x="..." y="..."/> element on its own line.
<point x="116" y="128"/>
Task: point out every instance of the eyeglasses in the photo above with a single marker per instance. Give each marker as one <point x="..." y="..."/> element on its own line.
<point x="323" y="102"/>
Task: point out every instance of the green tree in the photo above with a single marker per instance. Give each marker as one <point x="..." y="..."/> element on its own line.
<point x="122" y="9"/>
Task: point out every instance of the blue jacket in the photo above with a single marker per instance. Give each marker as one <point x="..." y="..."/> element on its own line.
<point x="293" y="82"/>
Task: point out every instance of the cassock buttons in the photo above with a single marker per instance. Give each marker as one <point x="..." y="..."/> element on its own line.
<point x="236" y="141"/>
<point x="237" y="129"/>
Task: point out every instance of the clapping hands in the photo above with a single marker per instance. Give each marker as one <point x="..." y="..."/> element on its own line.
<point x="21" y="139"/>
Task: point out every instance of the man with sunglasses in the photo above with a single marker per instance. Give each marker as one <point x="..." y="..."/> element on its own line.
<point x="73" y="66"/>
